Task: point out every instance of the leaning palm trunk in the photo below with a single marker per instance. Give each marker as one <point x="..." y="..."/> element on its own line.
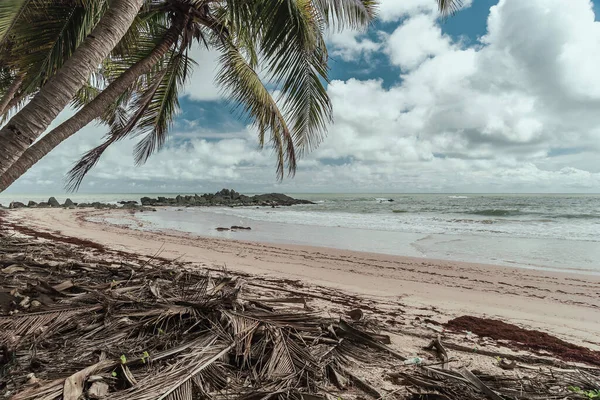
<point x="10" y="94"/>
<point x="89" y="112"/>
<point x="25" y="127"/>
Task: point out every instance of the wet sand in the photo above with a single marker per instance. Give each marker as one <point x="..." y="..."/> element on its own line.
<point x="567" y="305"/>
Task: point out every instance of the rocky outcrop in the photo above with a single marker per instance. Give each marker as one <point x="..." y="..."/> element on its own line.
<point x="225" y="197"/>
<point x="52" y="202"/>
<point x="69" y="203"/>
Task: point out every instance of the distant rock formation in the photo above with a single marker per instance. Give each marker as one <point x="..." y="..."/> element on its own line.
<point x="225" y="197"/>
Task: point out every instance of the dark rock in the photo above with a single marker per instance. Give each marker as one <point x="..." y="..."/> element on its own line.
<point x="235" y="227"/>
<point x="221" y="229"/>
<point x="31" y="203"/>
<point x="147" y="201"/>
<point x="42" y="204"/>
<point x="131" y="201"/>
<point x="224" y="198"/>
<point x="52" y="202"/>
<point x="68" y="203"/>
<point x="16" y="204"/>
<point x="83" y="205"/>
<point x="390" y="200"/>
<point x="224" y="193"/>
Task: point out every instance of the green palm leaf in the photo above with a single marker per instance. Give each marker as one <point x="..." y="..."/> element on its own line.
<point x="10" y="12"/>
<point x="296" y="59"/>
<point x="245" y="89"/>
<point x="48" y="34"/>
<point x="163" y="107"/>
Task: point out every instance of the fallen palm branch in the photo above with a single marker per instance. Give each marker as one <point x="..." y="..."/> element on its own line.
<point x="79" y="325"/>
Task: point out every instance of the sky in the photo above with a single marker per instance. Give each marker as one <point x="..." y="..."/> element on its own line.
<point x="504" y="96"/>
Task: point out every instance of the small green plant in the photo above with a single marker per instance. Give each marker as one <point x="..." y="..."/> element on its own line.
<point x="123" y="359"/>
<point x="590" y="394"/>
<point x="145" y="356"/>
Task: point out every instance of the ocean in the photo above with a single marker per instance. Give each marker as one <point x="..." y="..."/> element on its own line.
<point x="542" y="231"/>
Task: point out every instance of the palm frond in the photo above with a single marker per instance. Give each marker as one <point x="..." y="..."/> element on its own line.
<point x="244" y="89"/>
<point x="341" y="14"/>
<point x="294" y="51"/>
<point x="10" y="12"/>
<point x="449" y="7"/>
<point x="163" y="107"/>
<point x="49" y="34"/>
<point x="91" y="158"/>
<point x="175" y="381"/>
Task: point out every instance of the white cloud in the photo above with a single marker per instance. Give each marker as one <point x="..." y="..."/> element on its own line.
<point x="415" y="40"/>
<point x="201" y="84"/>
<point x="393" y="10"/>
<point x="351" y="45"/>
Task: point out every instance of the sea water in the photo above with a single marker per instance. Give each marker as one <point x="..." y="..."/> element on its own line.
<point x="560" y="232"/>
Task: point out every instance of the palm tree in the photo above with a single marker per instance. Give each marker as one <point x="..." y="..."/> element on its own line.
<point x="135" y="60"/>
<point x="25" y="127"/>
<point x="243" y="33"/>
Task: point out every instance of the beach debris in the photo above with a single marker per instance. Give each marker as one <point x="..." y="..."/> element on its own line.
<point x="356" y="314"/>
<point x="520" y="338"/>
<point x="113" y="325"/>
<point x="413" y="361"/>
<point x="442" y="354"/>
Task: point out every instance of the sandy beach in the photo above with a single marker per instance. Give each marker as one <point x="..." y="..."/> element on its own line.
<point x="567" y="305"/>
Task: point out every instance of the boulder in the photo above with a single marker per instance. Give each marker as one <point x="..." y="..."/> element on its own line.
<point x="42" y="204"/>
<point x="180" y="200"/>
<point x="52" y="202"/>
<point x="245" y="228"/>
<point x="221" y="229"/>
<point x="31" y="203"/>
<point x="131" y="201"/>
<point x="223" y="193"/>
<point x="147" y="201"/>
<point x="69" y="203"/>
<point x="16" y="204"/>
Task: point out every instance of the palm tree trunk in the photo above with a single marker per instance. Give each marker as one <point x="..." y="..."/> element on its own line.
<point x="29" y="123"/>
<point x="10" y="93"/>
<point x="89" y="112"/>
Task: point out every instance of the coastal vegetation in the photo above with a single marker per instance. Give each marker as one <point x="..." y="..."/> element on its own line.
<point x="51" y="57"/>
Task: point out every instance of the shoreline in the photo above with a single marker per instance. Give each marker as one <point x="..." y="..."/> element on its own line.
<point x="561" y="303"/>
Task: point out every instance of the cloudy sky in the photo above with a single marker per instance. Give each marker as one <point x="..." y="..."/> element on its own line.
<point x="502" y="97"/>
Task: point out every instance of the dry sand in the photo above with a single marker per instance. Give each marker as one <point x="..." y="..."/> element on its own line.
<point x="567" y="305"/>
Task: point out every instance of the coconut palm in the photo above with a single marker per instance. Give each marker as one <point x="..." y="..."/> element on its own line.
<point x="58" y="90"/>
<point x="243" y="32"/>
